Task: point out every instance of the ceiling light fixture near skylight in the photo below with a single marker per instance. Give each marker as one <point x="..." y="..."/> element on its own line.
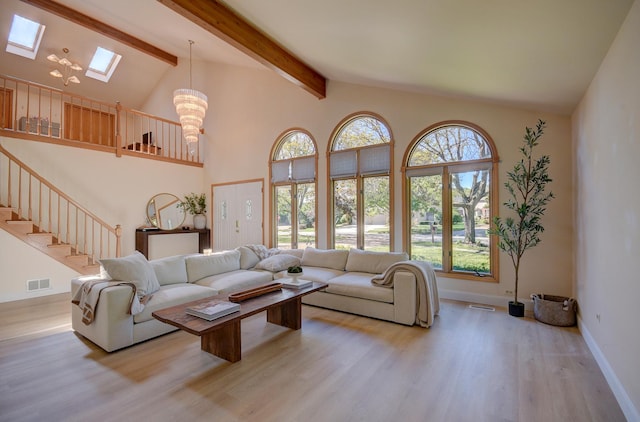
<point x="103" y="64"/>
<point x="68" y="68"/>
<point x="24" y="37"/>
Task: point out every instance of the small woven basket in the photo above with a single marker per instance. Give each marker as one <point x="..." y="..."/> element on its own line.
<point x="554" y="310"/>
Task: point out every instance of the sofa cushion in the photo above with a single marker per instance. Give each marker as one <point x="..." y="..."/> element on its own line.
<point x="170" y="270"/>
<point x="373" y="262"/>
<point x="294" y="252"/>
<point x="278" y="262"/>
<point x="133" y="268"/>
<point x="358" y="284"/>
<point x="327" y="258"/>
<point x="201" y="266"/>
<point x="171" y="295"/>
<point x="234" y="281"/>
<point x="248" y="258"/>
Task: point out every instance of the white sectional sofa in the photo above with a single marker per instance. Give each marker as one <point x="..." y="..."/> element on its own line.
<point x="165" y="282"/>
<point x="119" y="320"/>
<point x="349" y="275"/>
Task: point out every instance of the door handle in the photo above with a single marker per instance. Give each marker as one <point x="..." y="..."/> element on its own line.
<point x="237" y="226"/>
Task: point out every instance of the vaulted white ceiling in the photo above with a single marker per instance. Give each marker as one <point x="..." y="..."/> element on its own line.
<point x="539" y="54"/>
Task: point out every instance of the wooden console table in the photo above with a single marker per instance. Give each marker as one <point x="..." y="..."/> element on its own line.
<point x="142" y="238"/>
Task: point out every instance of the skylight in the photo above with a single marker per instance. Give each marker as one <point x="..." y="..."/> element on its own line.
<point x="103" y="64"/>
<point x="24" y="37"/>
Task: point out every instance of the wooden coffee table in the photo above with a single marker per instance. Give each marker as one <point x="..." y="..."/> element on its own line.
<point x="221" y="336"/>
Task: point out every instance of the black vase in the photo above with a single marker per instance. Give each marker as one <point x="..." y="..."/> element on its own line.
<point x="516" y="309"/>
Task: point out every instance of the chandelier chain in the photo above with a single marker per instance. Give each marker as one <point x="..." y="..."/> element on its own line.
<point x="190" y="64"/>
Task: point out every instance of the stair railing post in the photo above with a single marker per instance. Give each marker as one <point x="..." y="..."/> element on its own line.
<point x="30" y="205"/>
<point x="118" y="235"/>
<point x="9" y="184"/>
<point x="20" y="191"/>
<point x="68" y="236"/>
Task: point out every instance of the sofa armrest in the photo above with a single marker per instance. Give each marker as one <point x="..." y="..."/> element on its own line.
<point x="112" y="327"/>
<point x="404" y="297"/>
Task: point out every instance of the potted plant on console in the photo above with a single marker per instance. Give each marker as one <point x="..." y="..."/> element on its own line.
<point x="526" y="185"/>
<point x="196" y="205"/>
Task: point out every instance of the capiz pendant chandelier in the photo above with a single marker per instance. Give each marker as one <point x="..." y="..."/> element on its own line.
<point x="191" y="106"/>
<point x="68" y="68"/>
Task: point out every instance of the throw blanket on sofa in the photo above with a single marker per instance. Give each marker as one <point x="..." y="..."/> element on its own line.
<point x="88" y="296"/>
<point x="428" y="301"/>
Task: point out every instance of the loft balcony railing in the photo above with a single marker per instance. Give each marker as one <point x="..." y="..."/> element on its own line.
<point x="37" y="112"/>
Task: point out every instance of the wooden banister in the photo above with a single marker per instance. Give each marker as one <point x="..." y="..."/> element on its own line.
<point x="60" y="218"/>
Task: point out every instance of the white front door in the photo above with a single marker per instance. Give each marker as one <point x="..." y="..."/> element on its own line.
<point x="237" y="214"/>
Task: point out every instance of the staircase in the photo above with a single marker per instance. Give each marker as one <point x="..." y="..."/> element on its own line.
<point x="46" y="242"/>
<point x="36" y="212"/>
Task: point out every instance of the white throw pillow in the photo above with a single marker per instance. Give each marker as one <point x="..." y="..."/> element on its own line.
<point x="248" y="258"/>
<point x="170" y="270"/>
<point x="326" y="258"/>
<point x="134" y="268"/>
<point x="373" y="262"/>
<point x="201" y="266"/>
<point x="262" y="252"/>
<point x="278" y="262"/>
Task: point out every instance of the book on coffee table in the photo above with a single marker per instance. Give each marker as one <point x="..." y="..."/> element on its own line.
<point x="213" y="310"/>
<point x="295" y="283"/>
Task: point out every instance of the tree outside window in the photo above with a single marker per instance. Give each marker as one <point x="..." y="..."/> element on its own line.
<point x="450" y="175"/>
<point x="360" y="168"/>
<point x="293" y="182"/>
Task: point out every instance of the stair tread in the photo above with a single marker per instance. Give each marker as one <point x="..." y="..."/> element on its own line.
<point x="43" y="234"/>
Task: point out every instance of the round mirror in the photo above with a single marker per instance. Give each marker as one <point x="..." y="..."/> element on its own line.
<point x="163" y="212"/>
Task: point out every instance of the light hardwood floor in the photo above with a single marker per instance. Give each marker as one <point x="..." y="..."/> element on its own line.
<point x="472" y="365"/>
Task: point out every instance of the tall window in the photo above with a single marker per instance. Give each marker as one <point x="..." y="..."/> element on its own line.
<point x="450" y="178"/>
<point x="293" y="190"/>
<point x="360" y="168"/>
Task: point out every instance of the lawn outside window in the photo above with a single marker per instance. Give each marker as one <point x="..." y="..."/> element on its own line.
<point x="449" y="180"/>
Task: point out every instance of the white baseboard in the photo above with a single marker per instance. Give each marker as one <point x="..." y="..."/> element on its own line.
<point x="629" y="410"/>
<point x="492" y="300"/>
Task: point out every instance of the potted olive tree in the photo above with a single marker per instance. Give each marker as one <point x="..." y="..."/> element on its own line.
<point x="196" y="205"/>
<point x="526" y="185"/>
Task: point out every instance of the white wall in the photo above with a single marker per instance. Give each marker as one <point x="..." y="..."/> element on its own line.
<point x="606" y="133"/>
<point x="20" y="262"/>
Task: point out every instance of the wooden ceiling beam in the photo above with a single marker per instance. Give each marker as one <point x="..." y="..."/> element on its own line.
<point x="226" y="24"/>
<point x="104" y="29"/>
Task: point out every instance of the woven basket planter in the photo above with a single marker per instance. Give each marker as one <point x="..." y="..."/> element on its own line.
<point x="554" y="310"/>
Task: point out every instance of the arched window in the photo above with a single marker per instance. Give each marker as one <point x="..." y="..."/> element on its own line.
<point x="293" y="190"/>
<point x="450" y="184"/>
<point x="360" y="181"/>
